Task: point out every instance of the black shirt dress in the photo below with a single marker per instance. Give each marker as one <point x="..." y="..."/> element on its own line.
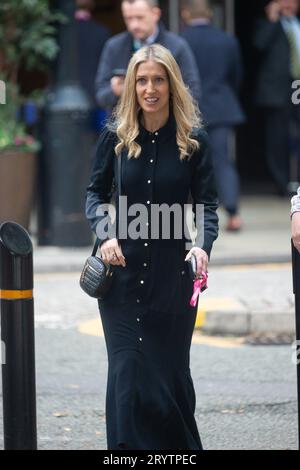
<point x="146" y="316"/>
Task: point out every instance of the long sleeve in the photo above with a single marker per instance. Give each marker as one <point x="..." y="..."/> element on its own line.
<point x="99" y="191"/>
<point x="265" y="34"/>
<point x="104" y="94"/>
<point x="204" y="194"/>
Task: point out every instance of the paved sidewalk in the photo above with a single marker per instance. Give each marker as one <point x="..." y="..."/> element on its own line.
<point x="250" y="282"/>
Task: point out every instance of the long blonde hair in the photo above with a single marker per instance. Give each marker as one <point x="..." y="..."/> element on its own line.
<point x="185" y="110"/>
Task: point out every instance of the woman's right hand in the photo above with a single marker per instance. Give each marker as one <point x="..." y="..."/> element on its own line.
<point x="111" y="253"/>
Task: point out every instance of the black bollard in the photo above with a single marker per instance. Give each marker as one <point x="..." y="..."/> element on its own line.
<point x="296" y="290"/>
<point x="17" y="338"/>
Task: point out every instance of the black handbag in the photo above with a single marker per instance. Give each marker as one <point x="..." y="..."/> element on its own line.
<point x="97" y="277"/>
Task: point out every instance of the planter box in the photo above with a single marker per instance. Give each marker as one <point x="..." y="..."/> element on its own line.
<point x="17" y="186"/>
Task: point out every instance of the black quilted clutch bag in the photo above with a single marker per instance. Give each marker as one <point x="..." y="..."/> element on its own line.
<point x="96" y="277"/>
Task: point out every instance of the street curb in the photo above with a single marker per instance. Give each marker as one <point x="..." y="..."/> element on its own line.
<point x="245" y="323"/>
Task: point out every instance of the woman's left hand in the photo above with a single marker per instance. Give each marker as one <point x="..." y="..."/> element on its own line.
<point x="202" y="259"/>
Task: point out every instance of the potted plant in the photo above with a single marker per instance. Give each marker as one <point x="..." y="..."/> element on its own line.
<point x="27" y="40"/>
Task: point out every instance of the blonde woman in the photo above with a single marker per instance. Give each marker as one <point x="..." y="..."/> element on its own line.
<point x="147" y="317"/>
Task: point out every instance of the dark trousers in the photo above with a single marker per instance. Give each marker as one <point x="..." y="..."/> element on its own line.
<point x="227" y="180"/>
<point x="279" y="140"/>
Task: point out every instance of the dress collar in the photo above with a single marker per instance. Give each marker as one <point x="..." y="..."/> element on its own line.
<point x="165" y="130"/>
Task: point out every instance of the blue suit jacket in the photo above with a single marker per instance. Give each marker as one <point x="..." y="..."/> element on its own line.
<point x="219" y="62"/>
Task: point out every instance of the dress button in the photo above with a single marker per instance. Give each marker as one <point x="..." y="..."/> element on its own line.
<point x="148" y="202"/>
<point x="182" y="272"/>
<point x="146" y="244"/>
<point x="147" y="223"/>
<point x="149" y="181"/>
<point x="137" y="319"/>
<point x="151" y="161"/>
<point x="145" y="264"/>
<point x="142" y="282"/>
<point x="141" y="339"/>
<point x="153" y="141"/>
<point x="156" y="133"/>
<point x="138" y="301"/>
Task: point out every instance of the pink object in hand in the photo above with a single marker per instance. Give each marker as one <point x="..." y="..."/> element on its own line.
<point x="199" y="286"/>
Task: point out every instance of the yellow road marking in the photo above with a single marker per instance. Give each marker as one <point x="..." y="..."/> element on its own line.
<point x="91" y="328"/>
<point x="94" y="328"/>
<point x="201" y="316"/>
<point x="226" y="304"/>
<point x="220" y="303"/>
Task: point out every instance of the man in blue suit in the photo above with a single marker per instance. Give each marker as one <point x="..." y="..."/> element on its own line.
<point x="142" y="20"/>
<point x="219" y="62"/>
